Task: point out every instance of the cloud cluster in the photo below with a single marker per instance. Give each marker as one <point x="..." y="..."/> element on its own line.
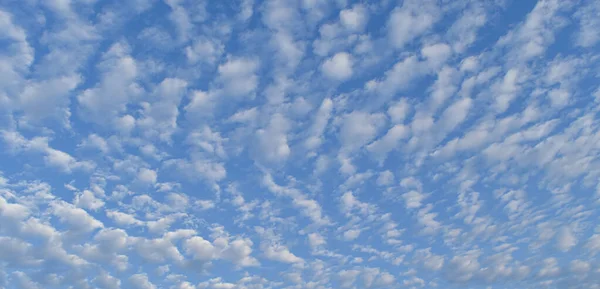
<point x="260" y="144"/>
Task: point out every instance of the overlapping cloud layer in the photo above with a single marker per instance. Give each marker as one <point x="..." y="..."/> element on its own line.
<point x="299" y="144"/>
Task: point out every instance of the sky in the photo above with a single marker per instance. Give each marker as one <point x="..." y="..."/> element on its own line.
<point x="309" y="144"/>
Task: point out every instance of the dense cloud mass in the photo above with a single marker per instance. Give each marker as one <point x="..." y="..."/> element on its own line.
<point x="321" y="144"/>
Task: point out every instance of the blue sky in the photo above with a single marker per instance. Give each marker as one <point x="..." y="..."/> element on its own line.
<point x="299" y="144"/>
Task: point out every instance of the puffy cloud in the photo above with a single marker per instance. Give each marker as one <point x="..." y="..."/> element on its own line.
<point x="565" y="239"/>
<point x="315" y="139"/>
<point x="272" y="141"/>
<point x="381" y="147"/>
<point x="147" y="176"/>
<point x="351" y="234"/>
<point x="338" y="67"/>
<point x="106" y="281"/>
<point x="549" y="268"/>
<point x="463" y="268"/>
<point x="348" y="277"/>
<point x="588" y="34"/>
<point x="309" y="207"/>
<point x="413" y="199"/>
<point x="359" y="128"/>
<point x="320" y="119"/>
<point x="141" y="281"/>
<point x="385" y="178"/>
<point x="37" y="98"/>
<point x="117" y="87"/>
<point x="593" y="244"/>
<point x="87" y="200"/>
<point x="315" y="240"/>
<point x="238" y="77"/>
<point x="159" y="116"/>
<point x="410" y="21"/>
<point x="204" y="50"/>
<point x="199" y="248"/>
<point x="399" y="110"/>
<point x="77" y="219"/>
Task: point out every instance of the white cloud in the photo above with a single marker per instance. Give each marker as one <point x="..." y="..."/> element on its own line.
<point x="87" y="200"/>
<point x="106" y="281"/>
<point x="147" y="176"/>
<point x="77" y="219"/>
<point x="204" y="50"/>
<point x="348" y="277"/>
<point x="239" y="252"/>
<point x="536" y="33"/>
<point x="24" y="281"/>
<point x="200" y="249"/>
<point x="359" y="128"/>
<point x="505" y="90"/>
<point x="381" y="147"/>
<point x="315" y="139"/>
<point x="385" y="279"/>
<point x="413" y="199"/>
<point x="396" y="79"/>
<point x="238" y="77"/>
<point x="280" y="253"/>
<point x="123" y="219"/>
<point x="399" y="110"/>
<point x="385" y="178"/>
<point x="315" y="240"/>
<point x="272" y="141"/>
<point x="463" y="32"/>
<point x="351" y="234"/>
<point x="463" y="268"/>
<point x="159" y="117"/>
<point x="549" y="268"/>
<point x="204" y="204"/>
<point x="117" y="87"/>
<point x="338" y="67"/>
<point x="320" y="119"/>
<point x="410" y="21"/>
<point x="579" y="267"/>
<point x="140" y="281"/>
<point x="455" y="114"/>
<point x="565" y="239"/>
<point x="64" y="161"/>
<point x="436" y="55"/>
<point x="355" y="18"/>
<point x="593" y="244"/>
<point x="49" y="99"/>
<point x="589" y="25"/>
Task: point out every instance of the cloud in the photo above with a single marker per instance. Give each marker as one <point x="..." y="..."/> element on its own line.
<point x="351" y="234"/>
<point x="118" y="87"/>
<point x="565" y="239"/>
<point x="315" y="240"/>
<point x="359" y="128"/>
<point x="299" y="144"/>
<point x="200" y="249"/>
<point x="355" y="18"/>
<point x="140" y="281"/>
<point x="588" y="34"/>
<point x="272" y="141"/>
<point x="77" y="219"/>
<point x="348" y="277"/>
<point x="281" y="254"/>
<point x="338" y="67"/>
<point x="87" y="200"/>
<point x="410" y="21"/>
<point x="147" y="176"/>
<point x="238" y="77"/>
<point x="315" y="139"/>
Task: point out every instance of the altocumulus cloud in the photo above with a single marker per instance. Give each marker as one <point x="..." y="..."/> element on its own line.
<point x="256" y="144"/>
